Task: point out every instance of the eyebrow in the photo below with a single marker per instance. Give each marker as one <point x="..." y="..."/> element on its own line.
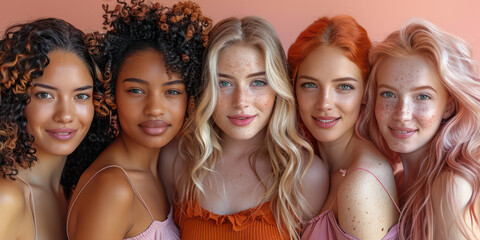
<point x="174" y="82"/>
<point x="54" y="88"/>
<point x="137" y="80"/>
<point x="413" y="89"/>
<point x="248" y="76"/>
<point x="334" y="80"/>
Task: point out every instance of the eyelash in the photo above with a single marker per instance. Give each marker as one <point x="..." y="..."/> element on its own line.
<point x="342" y="87"/>
<point x="308" y="85"/>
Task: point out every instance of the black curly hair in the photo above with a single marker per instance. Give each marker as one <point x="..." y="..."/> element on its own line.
<point x="179" y="33"/>
<point x="24" y="50"/>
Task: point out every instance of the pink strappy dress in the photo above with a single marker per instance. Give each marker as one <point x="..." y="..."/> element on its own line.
<point x="158" y="230"/>
<point x="326" y="227"/>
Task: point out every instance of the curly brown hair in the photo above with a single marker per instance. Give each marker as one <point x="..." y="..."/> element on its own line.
<point x="24" y="50"/>
<point x="179" y="33"/>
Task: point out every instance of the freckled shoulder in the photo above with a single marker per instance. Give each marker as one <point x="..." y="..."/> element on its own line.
<point x="365" y="209"/>
<point x="315" y="185"/>
<point x="12" y="208"/>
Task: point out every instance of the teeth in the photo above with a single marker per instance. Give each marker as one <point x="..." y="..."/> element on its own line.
<point x="325" y="121"/>
<point x="402" y="132"/>
<point x="241" y="118"/>
<point x="61" y="133"/>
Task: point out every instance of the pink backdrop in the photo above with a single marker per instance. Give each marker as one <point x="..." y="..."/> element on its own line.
<point x="379" y="17"/>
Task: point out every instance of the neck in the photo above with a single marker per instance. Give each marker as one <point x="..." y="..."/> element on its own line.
<point x="411" y="164"/>
<point x="337" y="153"/>
<point x="46" y="172"/>
<point x="239" y="148"/>
<point x="138" y="157"/>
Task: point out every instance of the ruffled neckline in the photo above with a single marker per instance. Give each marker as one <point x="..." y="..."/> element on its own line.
<point x="239" y="220"/>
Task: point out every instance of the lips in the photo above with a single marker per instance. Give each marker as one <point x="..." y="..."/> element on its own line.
<point x="62" y="134"/>
<point x="241" y="119"/>
<point x="326" y="121"/>
<point x="401" y="132"/>
<point x="154" y="127"/>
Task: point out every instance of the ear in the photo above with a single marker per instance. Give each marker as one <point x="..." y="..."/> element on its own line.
<point x="449" y="108"/>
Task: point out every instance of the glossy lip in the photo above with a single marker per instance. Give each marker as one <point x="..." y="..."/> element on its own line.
<point x="62" y="134"/>
<point x="154" y="127"/>
<point x="241" y="119"/>
<point x="402" y="132"/>
<point x="326" y="121"/>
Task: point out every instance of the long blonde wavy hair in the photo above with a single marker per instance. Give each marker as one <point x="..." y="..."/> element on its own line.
<point x="200" y="145"/>
<point x="456" y="147"/>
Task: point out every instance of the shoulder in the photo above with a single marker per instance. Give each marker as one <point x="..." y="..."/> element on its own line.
<point x="461" y="188"/>
<point x="315" y="184"/>
<point x="12" y="205"/>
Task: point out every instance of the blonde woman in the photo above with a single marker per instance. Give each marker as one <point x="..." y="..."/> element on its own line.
<point x="244" y="172"/>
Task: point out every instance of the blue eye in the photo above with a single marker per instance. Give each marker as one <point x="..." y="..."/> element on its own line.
<point x="424" y="97"/>
<point x="308" y="85"/>
<point x="259" y="83"/>
<point x="346" y="87"/>
<point x="43" y="95"/>
<point x="224" y="83"/>
<point x="387" y="94"/>
<point x="135" y="91"/>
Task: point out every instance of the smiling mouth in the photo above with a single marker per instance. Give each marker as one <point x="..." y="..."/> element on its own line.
<point x="326" y="122"/>
<point x="402" y="133"/>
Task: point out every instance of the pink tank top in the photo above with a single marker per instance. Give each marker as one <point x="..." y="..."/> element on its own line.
<point x="32" y="205"/>
<point x="325" y="225"/>
<point x="166" y="230"/>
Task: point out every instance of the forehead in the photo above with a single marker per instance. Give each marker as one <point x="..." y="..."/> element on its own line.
<point x="408" y="72"/>
<point x="146" y="64"/>
<point x="241" y="59"/>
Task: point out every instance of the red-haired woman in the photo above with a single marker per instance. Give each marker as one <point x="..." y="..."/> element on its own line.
<point x="329" y="67"/>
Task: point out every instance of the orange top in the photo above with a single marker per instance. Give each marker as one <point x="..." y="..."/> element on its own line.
<point x="254" y="223"/>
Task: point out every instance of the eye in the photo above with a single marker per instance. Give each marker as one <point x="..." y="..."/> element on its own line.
<point x="423" y="97"/>
<point x="224" y="83"/>
<point x="387" y="94"/>
<point x="135" y="91"/>
<point x="173" y="92"/>
<point x="259" y="83"/>
<point x="82" y="96"/>
<point x="345" y="87"/>
<point x="43" y="95"/>
<point x="308" y="85"/>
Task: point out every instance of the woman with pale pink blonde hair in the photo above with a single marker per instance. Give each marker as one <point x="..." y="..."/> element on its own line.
<point x="423" y="112"/>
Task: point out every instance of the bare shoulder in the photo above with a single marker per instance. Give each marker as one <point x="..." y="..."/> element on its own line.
<point x="462" y="190"/>
<point x="105" y="204"/>
<point x="315" y="185"/>
<point x="12" y="206"/>
<point x="367" y="196"/>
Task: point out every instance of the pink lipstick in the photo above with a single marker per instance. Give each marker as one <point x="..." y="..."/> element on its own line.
<point x="401" y="132"/>
<point x="62" y="134"/>
<point x="154" y="127"/>
<point x="241" y="119"/>
<point x="326" y="122"/>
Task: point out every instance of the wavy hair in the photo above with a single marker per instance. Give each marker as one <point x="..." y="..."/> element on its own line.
<point x="24" y="53"/>
<point x="455" y="147"/>
<point x="200" y="145"/>
<point x="340" y="31"/>
<point x="179" y="33"/>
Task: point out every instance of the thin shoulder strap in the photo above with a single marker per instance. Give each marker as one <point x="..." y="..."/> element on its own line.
<point x="390" y="196"/>
<point x="128" y="178"/>
<point x="33" y="205"/>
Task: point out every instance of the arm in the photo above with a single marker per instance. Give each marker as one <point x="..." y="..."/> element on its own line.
<point x="12" y="207"/>
<point x="364" y="208"/>
<point x="315" y="186"/>
<point x="104" y="210"/>
<point x="446" y="224"/>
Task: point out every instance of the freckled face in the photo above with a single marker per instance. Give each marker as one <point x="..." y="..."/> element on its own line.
<point x="329" y="90"/>
<point x="245" y="101"/>
<point x="61" y="109"/>
<point x="151" y="105"/>
<point x="410" y="103"/>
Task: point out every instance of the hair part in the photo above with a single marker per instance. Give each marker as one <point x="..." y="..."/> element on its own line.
<point x="455" y="148"/>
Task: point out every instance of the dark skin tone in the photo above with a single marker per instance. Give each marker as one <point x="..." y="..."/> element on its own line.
<point x="151" y="109"/>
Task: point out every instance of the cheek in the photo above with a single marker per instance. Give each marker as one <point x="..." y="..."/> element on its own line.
<point x="265" y="100"/>
<point x="383" y="109"/>
<point x="428" y="115"/>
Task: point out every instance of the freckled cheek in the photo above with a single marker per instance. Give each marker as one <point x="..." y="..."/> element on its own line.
<point x="383" y="110"/>
<point x="427" y="115"/>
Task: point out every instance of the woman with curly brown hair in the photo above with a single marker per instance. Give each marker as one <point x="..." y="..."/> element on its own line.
<point x="48" y="80"/>
<point x="151" y="57"/>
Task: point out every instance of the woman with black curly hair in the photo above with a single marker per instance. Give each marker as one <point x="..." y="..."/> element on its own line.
<point x="48" y="82"/>
<point x="151" y="57"/>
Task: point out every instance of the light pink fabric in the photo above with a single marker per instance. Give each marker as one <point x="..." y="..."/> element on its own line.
<point x="325" y="225"/>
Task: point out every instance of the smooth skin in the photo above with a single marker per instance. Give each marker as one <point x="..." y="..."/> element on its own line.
<point x="108" y="207"/>
<point x="329" y="90"/>
<point x="411" y="103"/>
<point x="244" y="89"/>
<point x="61" y="98"/>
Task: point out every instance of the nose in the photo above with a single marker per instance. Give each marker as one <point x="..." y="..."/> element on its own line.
<point x="324" y="99"/>
<point x="155" y="105"/>
<point x="240" y="97"/>
<point x="65" y="111"/>
<point x="403" y="111"/>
